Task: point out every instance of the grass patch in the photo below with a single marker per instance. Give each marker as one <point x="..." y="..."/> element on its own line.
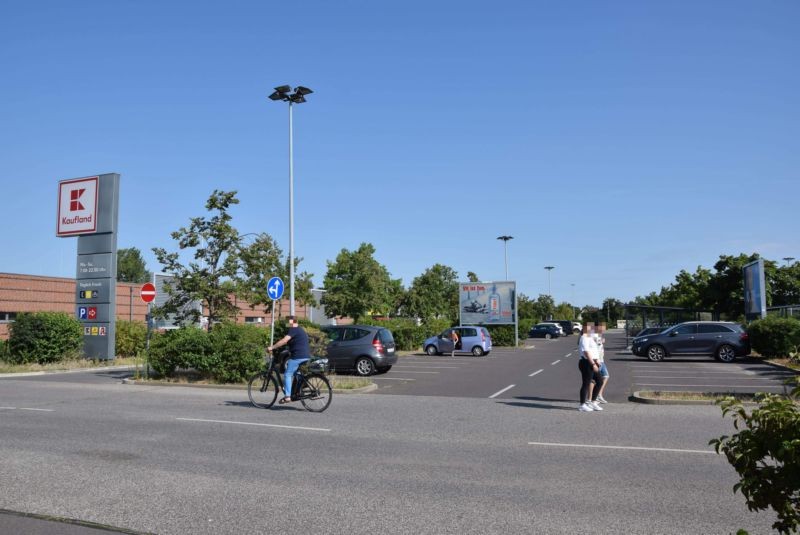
<point x="76" y="364"/>
<point x="345" y="382"/>
<point x="695" y="396"/>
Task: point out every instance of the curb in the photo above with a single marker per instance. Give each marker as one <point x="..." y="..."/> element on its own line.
<point x="73" y="370"/>
<point x="636" y="397"/>
<point x="363" y="390"/>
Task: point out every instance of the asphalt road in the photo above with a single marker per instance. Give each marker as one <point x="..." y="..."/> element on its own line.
<point x="181" y="460"/>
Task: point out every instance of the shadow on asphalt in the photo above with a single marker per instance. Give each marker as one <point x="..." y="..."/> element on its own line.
<point x="295" y="405"/>
<point x="536" y="398"/>
<point x="537" y="405"/>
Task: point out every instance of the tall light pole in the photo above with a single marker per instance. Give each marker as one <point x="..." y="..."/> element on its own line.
<point x="572" y="299"/>
<point x="505" y="249"/>
<point x="549" y="269"/>
<point x="788" y="259"/>
<point x="285" y="94"/>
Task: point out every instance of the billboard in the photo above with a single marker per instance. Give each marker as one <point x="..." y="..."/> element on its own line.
<point x="755" y="290"/>
<point x="487" y="303"/>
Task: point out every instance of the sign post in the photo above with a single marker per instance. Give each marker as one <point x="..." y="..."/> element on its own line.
<point x="148" y="294"/>
<point x="89" y="209"/>
<point x="274" y="291"/>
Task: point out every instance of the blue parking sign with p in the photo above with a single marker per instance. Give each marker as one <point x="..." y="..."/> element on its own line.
<point x="275" y="288"/>
<point x="82" y="313"/>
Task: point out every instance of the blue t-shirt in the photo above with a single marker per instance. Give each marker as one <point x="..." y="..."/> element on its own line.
<point x="298" y="345"/>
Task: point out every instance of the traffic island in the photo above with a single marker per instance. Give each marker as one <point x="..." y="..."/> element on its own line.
<point x="346" y="385"/>
<point x="655" y="397"/>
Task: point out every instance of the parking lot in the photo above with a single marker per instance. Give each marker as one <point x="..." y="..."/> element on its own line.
<point x="546" y="370"/>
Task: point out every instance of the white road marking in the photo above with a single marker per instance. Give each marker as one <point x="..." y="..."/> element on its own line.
<point x="568" y="354"/>
<point x="556" y="444"/>
<point x="434" y="367"/>
<point x="690" y="377"/>
<point x="39" y="410"/>
<point x="405" y="371"/>
<point x="535" y="373"/>
<point x="7" y="408"/>
<point x="715" y="386"/>
<point x="509" y="387"/>
<point x="251" y="423"/>
<point x="555" y="362"/>
<point x="392" y="379"/>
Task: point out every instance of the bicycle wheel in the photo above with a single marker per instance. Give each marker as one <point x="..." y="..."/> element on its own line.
<point x="315" y="392"/>
<point x="262" y="390"/>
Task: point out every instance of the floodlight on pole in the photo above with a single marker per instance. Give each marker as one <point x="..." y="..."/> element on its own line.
<point x="505" y="249"/>
<point x="549" y="269"/>
<point x="284" y="93"/>
<point x="788" y="259"/>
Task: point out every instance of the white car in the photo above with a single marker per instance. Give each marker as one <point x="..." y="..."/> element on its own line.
<point x="577" y="328"/>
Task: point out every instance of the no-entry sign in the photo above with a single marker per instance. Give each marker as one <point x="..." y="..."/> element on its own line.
<point x="148" y="292"/>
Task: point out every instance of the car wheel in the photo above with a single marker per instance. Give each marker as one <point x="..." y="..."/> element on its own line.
<point x="477" y="351"/>
<point x="656" y="353"/>
<point x="431" y="350"/>
<point x="725" y="353"/>
<point x="548" y="336"/>
<point x="365" y="366"/>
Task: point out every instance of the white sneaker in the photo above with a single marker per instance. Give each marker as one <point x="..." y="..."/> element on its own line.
<point x="586" y="407"/>
<point x="601" y="399"/>
<point x="595" y="406"/>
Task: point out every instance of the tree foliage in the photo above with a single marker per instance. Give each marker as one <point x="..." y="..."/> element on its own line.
<point x="131" y="266"/>
<point x="356" y="285"/>
<point x="434" y="294"/>
<point x="262" y="260"/>
<point x="766" y="454"/>
<point x="537" y="309"/>
<point x="210" y="277"/>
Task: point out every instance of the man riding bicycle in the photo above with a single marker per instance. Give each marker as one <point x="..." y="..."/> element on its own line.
<point x="300" y="353"/>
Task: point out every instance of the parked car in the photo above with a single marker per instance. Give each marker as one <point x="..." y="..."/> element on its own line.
<point x="723" y="340"/>
<point x="559" y="327"/>
<point x="577" y="328"/>
<point x="545" y="330"/>
<point x="364" y="349"/>
<point x="566" y="326"/>
<point x="472" y="339"/>
<point x="649" y="330"/>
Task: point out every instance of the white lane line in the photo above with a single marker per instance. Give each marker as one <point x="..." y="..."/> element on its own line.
<point x="691" y="377"/>
<point x="568" y="354"/>
<point x="406" y="371"/>
<point x="396" y="366"/>
<point x="392" y="379"/>
<point x="715" y="386"/>
<point x="555" y="362"/>
<point x="7" y="408"/>
<point x="251" y="423"/>
<point x="509" y="387"/>
<point x="535" y="373"/>
<point x="38" y="410"/>
<point x="556" y="444"/>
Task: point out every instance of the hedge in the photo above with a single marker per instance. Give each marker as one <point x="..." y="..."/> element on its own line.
<point x="131" y="338"/>
<point x="44" y="337"/>
<point x="3" y="348"/>
<point x="775" y="336"/>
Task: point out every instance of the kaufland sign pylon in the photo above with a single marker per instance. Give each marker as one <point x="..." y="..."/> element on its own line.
<point x="88" y="208"/>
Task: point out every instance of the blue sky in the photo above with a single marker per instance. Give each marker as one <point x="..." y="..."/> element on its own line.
<point x="618" y="141"/>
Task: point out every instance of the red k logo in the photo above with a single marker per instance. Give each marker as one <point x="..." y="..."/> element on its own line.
<point x="74" y="203"/>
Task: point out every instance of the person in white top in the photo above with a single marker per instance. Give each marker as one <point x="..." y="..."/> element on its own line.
<point x="603" y="371"/>
<point x="589" y="365"/>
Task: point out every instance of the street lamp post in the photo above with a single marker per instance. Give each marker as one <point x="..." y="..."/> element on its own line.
<point x="549" y="269"/>
<point x="505" y="249"/>
<point x="284" y="93"/>
<point x="788" y="259"/>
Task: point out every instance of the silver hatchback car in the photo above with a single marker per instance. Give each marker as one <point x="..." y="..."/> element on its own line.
<point x="471" y="339"/>
<point x="364" y="349"/>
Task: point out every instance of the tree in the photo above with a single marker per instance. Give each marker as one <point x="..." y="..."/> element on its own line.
<point x="262" y="260"/>
<point x="766" y="455"/>
<point x="434" y="294"/>
<point x="564" y="311"/>
<point x="131" y="266"/>
<point x="356" y="284"/>
<point x="472" y="277"/>
<point x="211" y="277"/>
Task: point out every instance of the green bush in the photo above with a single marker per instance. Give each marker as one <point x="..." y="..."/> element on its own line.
<point x="238" y="352"/>
<point x="44" y="337"/>
<point x="774" y="336"/>
<point x="131" y="338"/>
<point x="3" y="348"/>
<point x="503" y="335"/>
<point x="187" y="347"/>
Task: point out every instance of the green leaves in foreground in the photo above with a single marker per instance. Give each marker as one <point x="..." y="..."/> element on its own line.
<point x="766" y="454"/>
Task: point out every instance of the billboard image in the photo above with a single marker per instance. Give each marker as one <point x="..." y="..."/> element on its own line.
<point x="487" y="303"/>
<point x="755" y="294"/>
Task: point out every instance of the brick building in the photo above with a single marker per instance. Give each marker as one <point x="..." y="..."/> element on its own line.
<point x="33" y="293"/>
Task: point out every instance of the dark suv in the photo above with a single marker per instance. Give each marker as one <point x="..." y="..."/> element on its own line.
<point x="364" y="349"/>
<point x="722" y="340"/>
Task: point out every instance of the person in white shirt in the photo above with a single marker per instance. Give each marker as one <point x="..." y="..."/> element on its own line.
<point x="603" y="371"/>
<point x="589" y="366"/>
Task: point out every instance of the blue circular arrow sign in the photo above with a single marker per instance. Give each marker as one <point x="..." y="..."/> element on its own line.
<point x="275" y="288"/>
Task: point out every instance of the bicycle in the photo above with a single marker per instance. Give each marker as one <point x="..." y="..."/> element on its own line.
<point x="309" y="384"/>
